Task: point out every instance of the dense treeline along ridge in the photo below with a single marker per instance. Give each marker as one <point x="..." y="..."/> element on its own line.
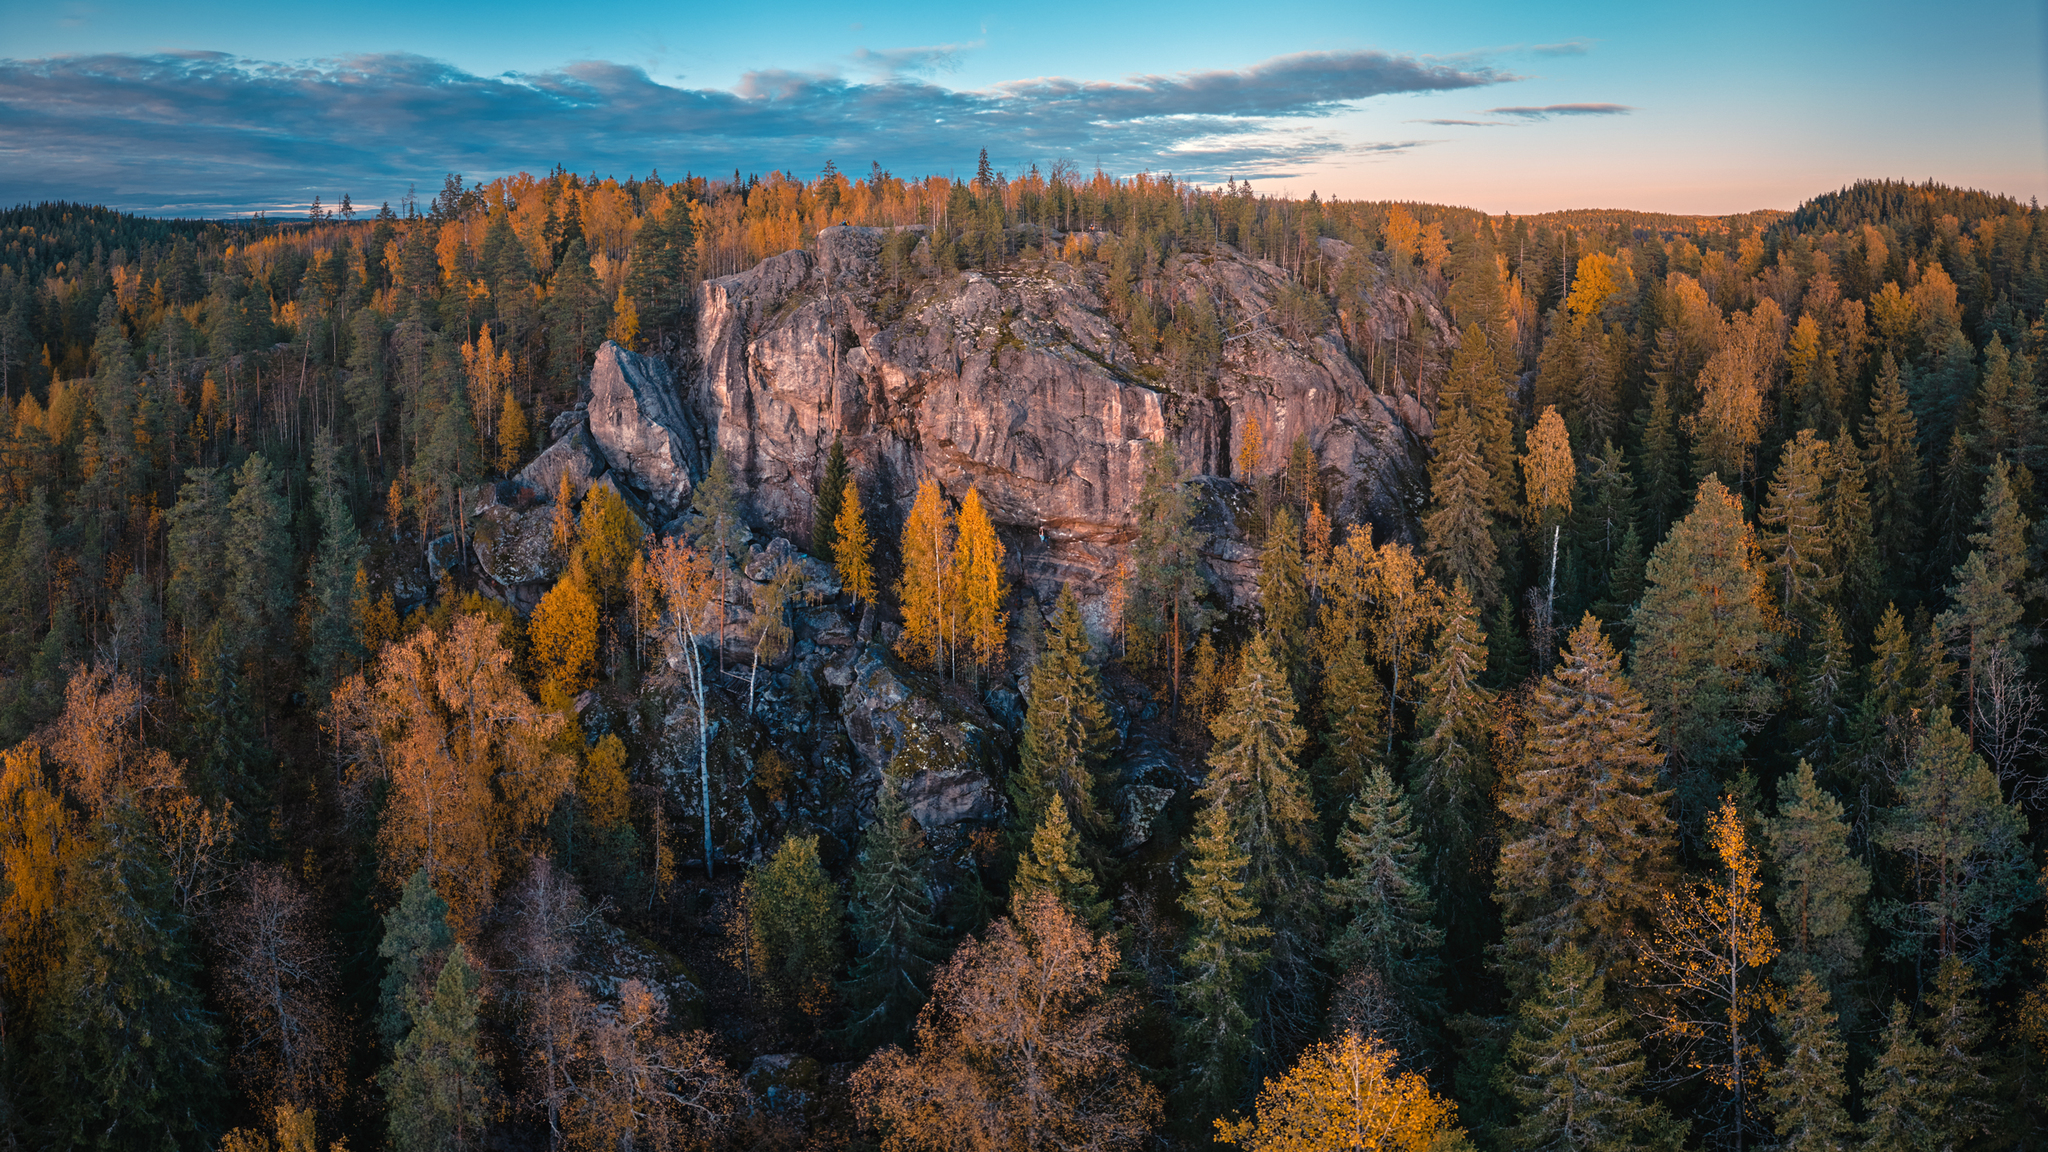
<point x="1671" y="770"/>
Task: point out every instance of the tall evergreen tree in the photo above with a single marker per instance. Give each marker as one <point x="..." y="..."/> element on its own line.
<point x="1961" y="851"/>
<point x="334" y="648"/>
<point x="1824" y="692"/>
<point x="257" y="552"/>
<point x="1283" y="596"/>
<point x="1355" y="706"/>
<point x="1798" y="546"/>
<point x="1576" y="1069"/>
<point x="1891" y="460"/>
<point x="1587" y="852"/>
<point x="1067" y="730"/>
<point x="831" y="497"/>
<point x="1167" y="585"/>
<point x="1808" y="1091"/>
<point x="439" y="1085"/>
<point x="1989" y="592"/>
<point x="1381" y="901"/>
<point x="416" y="941"/>
<point x="130" y="1057"/>
<point x="1453" y="777"/>
<point x="1458" y="530"/>
<point x="1930" y="1087"/>
<point x="1704" y="637"/>
<point x="896" y="941"/>
<point x="1820" y="885"/>
<point x="1053" y="865"/>
<point x="1663" y="457"/>
<point x="1221" y="956"/>
<point x="1253" y="776"/>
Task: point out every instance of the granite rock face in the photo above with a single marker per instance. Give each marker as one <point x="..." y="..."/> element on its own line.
<point x="641" y="430"/>
<point x="1020" y="384"/>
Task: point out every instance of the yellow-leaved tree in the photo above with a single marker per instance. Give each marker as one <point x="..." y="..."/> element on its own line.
<point x="853" y="550"/>
<point x="469" y="757"/>
<point x="1344" y="1094"/>
<point x="37" y="840"/>
<point x="563" y="632"/>
<point x="1708" y="958"/>
<point x="978" y="579"/>
<point x="924" y="593"/>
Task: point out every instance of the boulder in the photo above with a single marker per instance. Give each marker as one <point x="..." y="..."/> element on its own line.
<point x="641" y="429"/>
<point x="946" y="746"/>
<point x="573" y="453"/>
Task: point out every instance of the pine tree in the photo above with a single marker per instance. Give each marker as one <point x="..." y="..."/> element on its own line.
<point x="831" y="497"/>
<point x="1799" y="548"/>
<point x="1453" y="769"/>
<point x="1167" y="585"/>
<point x="1461" y="545"/>
<point x="1283" y="595"/>
<point x="1221" y="956"/>
<point x="1808" y="1091"/>
<point x="1891" y="460"/>
<point x="1067" y="730"/>
<point x="1988" y="595"/>
<point x="1819" y="883"/>
<point x="1381" y="901"/>
<point x="1704" y="638"/>
<point x="1576" y="1069"/>
<point x="925" y="593"/>
<point x="1961" y="849"/>
<point x="853" y="550"/>
<point x="977" y="578"/>
<point x="1587" y="851"/>
<point x="129" y="1055"/>
<point x="440" y="1088"/>
<point x="416" y="938"/>
<point x="1253" y="776"/>
<point x="1053" y="865"/>
<point x="1930" y="1087"/>
<point x="1476" y="391"/>
<point x="895" y="939"/>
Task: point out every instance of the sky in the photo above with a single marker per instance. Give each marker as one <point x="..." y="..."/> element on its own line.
<point x="231" y="106"/>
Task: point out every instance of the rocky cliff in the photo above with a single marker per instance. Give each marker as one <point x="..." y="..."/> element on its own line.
<point x="1018" y="383"/>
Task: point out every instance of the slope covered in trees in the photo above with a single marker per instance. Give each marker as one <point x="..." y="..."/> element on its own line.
<point x="1667" y="770"/>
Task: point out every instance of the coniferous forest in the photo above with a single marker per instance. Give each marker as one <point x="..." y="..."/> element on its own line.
<point x="1654" y="757"/>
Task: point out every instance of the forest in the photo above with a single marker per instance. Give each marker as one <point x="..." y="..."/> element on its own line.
<point x="1717" y="823"/>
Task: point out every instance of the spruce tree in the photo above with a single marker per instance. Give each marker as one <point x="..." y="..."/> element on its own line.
<point x="1253" y="776"/>
<point x="792" y="924"/>
<point x="1989" y="592"/>
<point x="1453" y="776"/>
<point x="1384" y="908"/>
<point x="831" y="497"/>
<point x="1355" y="706"/>
<point x="1663" y="457"/>
<point x="1825" y="691"/>
<point x="1475" y="388"/>
<point x="1167" y="586"/>
<point x="1221" y="956"/>
<point x="1808" y="1091"/>
<point x="440" y="1090"/>
<point x="1587" y="852"/>
<point x="1067" y="730"/>
<point x="1892" y="464"/>
<point x="1457" y="526"/>
<point x="1820" y="885"/>
<point x="1931" y="1086"/>
<point x="130" y="1057"/>
<point x="1901" y="1091"/>
<point x="1053" y="865"/>
<point x="896" y="941"/>
<point x="258" y="557"/>
<point x="1576" y="1069"/>
<point x="1283" y="596"/>
<point x="334" y="647"/>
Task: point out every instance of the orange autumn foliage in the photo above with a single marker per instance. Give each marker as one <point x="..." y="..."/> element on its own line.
<point x="1344" y="1094"/>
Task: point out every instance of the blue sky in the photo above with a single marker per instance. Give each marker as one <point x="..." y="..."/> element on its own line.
<point x="232" y="106"/>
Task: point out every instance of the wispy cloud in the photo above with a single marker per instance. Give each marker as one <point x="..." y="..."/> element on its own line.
<point x="1577" y="47"/>
<point x="1468" y="123"/>
<point x="923" y="61"/>
<point x="1548" y="110"/>
<point x="212" y="132"/>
